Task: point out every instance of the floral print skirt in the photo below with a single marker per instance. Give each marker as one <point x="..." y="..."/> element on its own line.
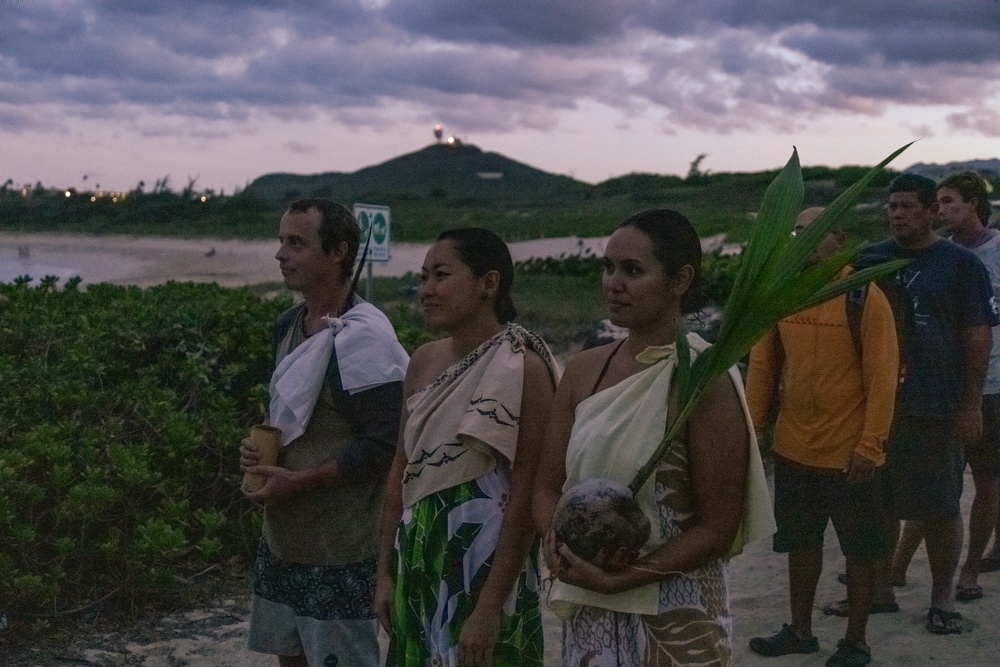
<point x="445" y="547"/>
<point x="693" y="626"/>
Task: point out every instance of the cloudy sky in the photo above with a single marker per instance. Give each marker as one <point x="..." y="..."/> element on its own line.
<point x="124" y="90"/>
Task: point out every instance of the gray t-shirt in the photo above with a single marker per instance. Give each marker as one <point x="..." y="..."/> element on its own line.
<point x="988" y="253"/>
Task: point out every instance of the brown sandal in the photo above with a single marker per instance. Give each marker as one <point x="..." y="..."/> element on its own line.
<point x="941" y="622"/>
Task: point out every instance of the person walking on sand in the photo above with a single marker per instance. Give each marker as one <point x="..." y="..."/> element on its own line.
<point x="336" y="395"/>
<point x="939" y="404"/>
<point x="837" y="387"/>
<point x="964" y="209"/>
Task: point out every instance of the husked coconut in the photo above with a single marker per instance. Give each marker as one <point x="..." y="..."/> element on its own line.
<point x="600" y="521"/>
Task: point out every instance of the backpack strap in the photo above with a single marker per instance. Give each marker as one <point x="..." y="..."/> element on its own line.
<point x="855" y="306"/>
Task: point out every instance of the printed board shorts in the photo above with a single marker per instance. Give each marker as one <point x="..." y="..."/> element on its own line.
<point x="322" y="612"/>
<point x="926" y="466"/>
<point x="806" y="498"/>
<point x="984" y="456"/>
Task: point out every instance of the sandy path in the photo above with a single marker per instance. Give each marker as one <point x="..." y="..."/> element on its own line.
<point x="760" y="605"/>
<point x="215" y="636"/>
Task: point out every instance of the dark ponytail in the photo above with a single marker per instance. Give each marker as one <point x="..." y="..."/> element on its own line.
<point x="483" y="251"/>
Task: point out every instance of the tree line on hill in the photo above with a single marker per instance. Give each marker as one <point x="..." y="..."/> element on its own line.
<point x="433" y="189"/>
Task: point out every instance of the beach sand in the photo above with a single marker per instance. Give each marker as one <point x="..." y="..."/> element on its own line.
<point x="215" y="636"/>
<point x="759" y="590"/>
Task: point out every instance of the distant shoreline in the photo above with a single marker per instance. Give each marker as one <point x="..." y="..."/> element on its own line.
<point x="152" y="260"/>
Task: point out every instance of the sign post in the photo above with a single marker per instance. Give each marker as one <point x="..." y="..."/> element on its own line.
<point x="373" y="222"/>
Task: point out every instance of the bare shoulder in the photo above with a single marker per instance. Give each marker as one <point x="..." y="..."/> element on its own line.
<point x="590" y="361"/>
<point x="723" y="390"/>
<point x="534" y="364"/>
<point x="426" y="363"/>
<point x="582" y="370"/>
<point x="719" y="404"/>
<point x="537" y="373"/>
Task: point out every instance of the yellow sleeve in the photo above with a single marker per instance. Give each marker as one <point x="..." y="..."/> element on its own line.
<point x="762" y="378"/>
<point x="880" y="373"/>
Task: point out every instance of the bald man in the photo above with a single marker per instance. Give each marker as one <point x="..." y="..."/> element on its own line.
<point x="834" y="388"/>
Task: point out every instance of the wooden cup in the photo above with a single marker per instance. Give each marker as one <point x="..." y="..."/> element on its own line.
<point x="268" y="442"/>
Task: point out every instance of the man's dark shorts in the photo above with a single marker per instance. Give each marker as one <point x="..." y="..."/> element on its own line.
<point x="926" y="465"/>
<point x="806" y="498"/>
<point x="984" y="456"/>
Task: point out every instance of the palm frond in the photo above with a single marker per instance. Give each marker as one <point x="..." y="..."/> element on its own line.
<point x="773" y="282"/>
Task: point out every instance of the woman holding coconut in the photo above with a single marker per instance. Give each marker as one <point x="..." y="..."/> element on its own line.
<point x="667" y="602"/>
<point x="458" y="579"/>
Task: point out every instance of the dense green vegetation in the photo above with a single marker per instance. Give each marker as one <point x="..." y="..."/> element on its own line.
<point x="431" y="190"/>
<point x="123" y="409"/>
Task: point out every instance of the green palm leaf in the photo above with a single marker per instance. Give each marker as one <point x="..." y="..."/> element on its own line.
<point x="773" y="282"/>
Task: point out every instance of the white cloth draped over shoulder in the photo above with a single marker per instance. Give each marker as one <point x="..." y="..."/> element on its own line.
<point x="614" y="432"/>
<point x="469" y="416"/>
<point x="368" y="354"/>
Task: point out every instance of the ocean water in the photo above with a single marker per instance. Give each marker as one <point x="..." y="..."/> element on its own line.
<point x="97" y="265"/>
<point x="92" y="266"/>
<point x="11" y="269"/>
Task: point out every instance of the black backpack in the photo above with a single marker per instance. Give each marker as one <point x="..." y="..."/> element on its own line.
<point x="902" y="314"/>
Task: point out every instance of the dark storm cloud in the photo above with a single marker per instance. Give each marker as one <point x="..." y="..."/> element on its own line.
<point x="896" y="45"/>
<point x="498" y="64"/>
<point x="514" y="22"/>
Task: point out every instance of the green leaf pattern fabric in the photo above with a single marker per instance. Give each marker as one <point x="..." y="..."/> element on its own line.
<point x="444" y="548"/>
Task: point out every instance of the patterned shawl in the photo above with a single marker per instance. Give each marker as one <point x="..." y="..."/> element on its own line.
<point x="460" y="423"/>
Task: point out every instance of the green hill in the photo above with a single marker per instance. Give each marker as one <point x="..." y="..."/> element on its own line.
<point x="454" y="171"/>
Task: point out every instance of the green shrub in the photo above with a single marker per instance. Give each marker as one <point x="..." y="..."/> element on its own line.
<point x="718" y="273"/>
<point x="123" y="409"/>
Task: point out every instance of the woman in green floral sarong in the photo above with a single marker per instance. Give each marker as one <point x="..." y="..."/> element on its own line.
<point x="458" y="572"/>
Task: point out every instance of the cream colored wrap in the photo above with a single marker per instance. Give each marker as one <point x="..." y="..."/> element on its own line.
<point x="614" y="432"/>
<point x="469" y="415"/>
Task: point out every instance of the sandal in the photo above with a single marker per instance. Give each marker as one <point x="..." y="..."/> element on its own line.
<point x="849" y="654"/>
<point x="786" y="641"/>
<point x="941" y="622"/>
<point x="968" y="593"/>
<point x="989" y="563"/>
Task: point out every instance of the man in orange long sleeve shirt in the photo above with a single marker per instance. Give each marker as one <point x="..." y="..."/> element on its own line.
<point x="834" y="413"/>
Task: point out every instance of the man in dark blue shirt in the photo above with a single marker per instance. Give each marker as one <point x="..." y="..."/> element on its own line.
<point x="939" y="403"/>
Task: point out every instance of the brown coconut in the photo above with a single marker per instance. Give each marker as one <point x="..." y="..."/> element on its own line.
<point x="601" y="522"/>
